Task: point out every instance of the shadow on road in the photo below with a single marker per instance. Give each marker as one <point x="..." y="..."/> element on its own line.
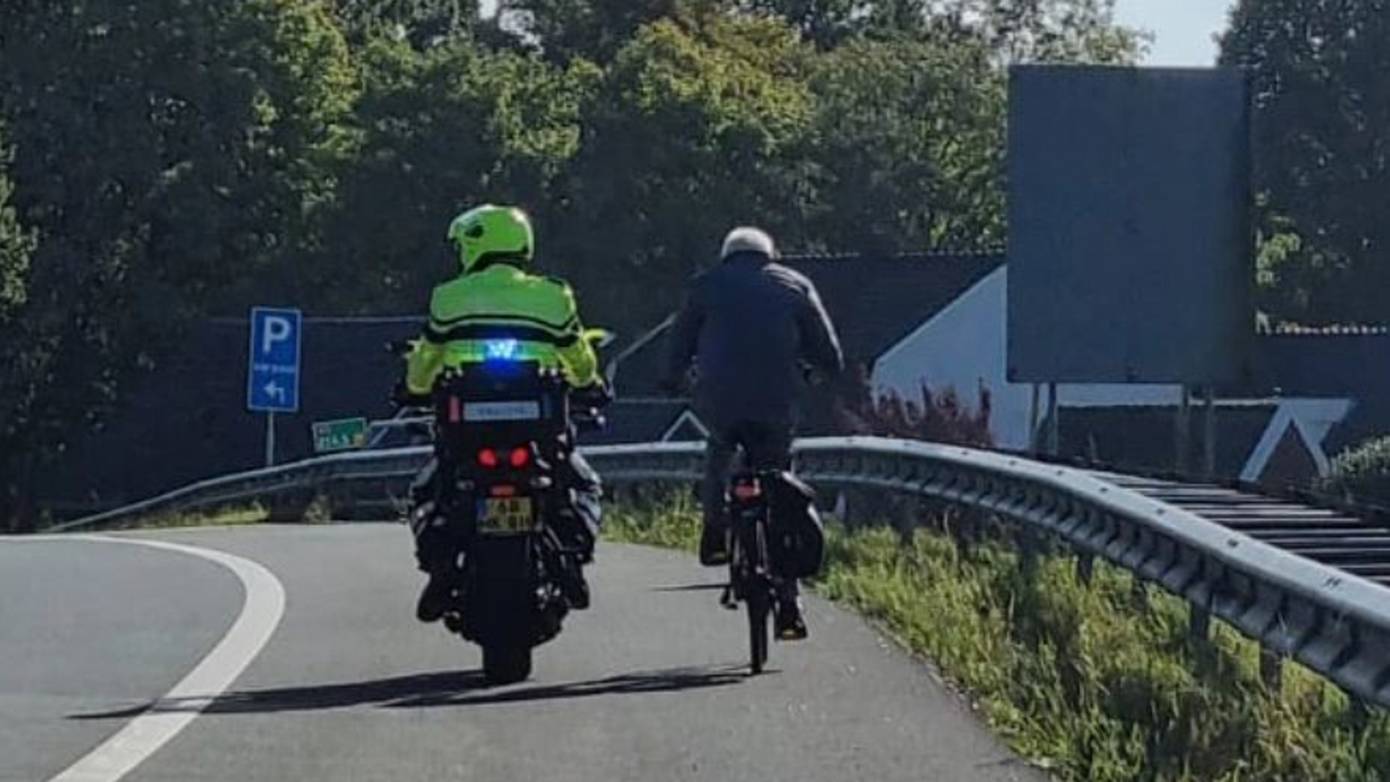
<point x="458" y="688"/>
<point x="691" y="588"/>
<point x="669" y="680"/>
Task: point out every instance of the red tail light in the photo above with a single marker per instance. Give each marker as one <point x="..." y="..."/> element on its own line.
<point x="488" y="458"/>
<point x="748" y="491"/>
<point x="520" y="457"/>
<point x="503" y="490"/>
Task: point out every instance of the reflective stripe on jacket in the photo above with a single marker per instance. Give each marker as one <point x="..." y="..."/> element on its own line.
<point x="502" y="313"/>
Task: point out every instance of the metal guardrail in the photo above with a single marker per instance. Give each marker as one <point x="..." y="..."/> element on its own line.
<point x="1332" y="621"/>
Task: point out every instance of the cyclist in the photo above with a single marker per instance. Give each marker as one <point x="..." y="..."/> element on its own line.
<point x="750" y="325"/>
<point x="495" y="297"/>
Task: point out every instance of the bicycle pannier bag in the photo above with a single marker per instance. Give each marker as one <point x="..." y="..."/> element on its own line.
<point x="798" y="536"/>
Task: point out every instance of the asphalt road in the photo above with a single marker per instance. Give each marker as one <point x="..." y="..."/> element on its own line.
<point x="648" y="685"/>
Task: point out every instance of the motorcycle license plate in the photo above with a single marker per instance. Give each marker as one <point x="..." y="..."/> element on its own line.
<point x="506" y="514"/>
<point x="488" y="412"/>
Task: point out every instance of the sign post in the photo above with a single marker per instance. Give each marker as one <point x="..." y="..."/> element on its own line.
<point x="272" y="377"/>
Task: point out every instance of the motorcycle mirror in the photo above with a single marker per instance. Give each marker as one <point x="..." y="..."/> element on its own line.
<point x="599" y="338"/>
<point x="400" y="347"/>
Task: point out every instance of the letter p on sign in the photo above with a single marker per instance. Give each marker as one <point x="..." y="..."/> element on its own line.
<point x="277" y="329"/>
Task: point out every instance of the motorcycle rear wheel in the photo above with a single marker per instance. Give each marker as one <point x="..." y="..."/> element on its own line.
<point x="506" y="663"/>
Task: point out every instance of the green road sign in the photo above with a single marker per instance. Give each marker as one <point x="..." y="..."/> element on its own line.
<point x="345" y="435"/>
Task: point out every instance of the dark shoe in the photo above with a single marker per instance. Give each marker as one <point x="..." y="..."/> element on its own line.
<point x="790" y="624"/>
<point x="714" y="545"/>
<point x="577" y="535"/>
<point x="434" y="601"/>
<point x="575" y="587"/>
<point x="587" y="544"/>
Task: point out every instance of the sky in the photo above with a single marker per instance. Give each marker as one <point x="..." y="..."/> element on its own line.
<point x="1182" y="29"/>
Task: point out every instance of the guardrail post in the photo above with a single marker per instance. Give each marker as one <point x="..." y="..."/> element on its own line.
<point x="1054" y="428"/>
<point x="1139" y="593"/>
<point x="1182" y="432"/>
<point x="1198" y="623"/>
<point x="1085" y="567"/>
<point x="1033" y="433"/>
<point x="965" y="527"/>
<point x="1359" y="712"/>
<point x="1029" y="545"/>
<point x="1271" y="669"/>
<point x="1209" y="433"/>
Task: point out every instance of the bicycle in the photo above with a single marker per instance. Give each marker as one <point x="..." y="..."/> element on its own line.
<point x="751" y="580"/>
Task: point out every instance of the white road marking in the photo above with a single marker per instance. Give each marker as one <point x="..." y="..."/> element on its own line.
<point x="144" y="735"/>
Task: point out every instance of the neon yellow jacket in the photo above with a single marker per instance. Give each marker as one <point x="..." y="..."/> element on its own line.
<point x="502" y="312"/>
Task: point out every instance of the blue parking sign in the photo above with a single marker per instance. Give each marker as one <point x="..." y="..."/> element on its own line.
<point x="273" y="373"/>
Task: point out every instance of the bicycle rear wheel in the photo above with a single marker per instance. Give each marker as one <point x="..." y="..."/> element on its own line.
<point x="759" y="606"/>
<point x="758" y="599"/>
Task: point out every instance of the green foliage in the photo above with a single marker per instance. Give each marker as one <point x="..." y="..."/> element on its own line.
<point x="1090" y="680"/>
<point x="1322" y="126"/>
<point x="583" y="29"/>
<point x="188" y="158"/>
<point x="1363" y="472"/>
<point x="826" y="23"/>
<point x="421" y="22"/>
<point x="677" y="525"/>
<point x="158" y="178"/>
<point x="440" y="131"/>
<point x="16" y="245"/>
<point x="691" y="132"/>
<point x="908" y="143"/>
<point x="1046" y="30"/>
<point x="227" y="517"/>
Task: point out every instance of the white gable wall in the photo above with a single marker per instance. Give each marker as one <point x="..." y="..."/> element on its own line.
<point x="965" y="345"/>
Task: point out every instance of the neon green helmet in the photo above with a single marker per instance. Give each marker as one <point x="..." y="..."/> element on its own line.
<point x="492" y="232"/>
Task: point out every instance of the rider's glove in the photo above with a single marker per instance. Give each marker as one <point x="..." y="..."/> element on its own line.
<point x="597" y="395"/>
<point x="402" y="397"/>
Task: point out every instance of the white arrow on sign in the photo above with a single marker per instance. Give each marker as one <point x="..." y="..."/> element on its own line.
<point x="275" y="390"/>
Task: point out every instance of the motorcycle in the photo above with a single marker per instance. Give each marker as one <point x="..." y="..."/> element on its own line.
<point x="503" y="434"/>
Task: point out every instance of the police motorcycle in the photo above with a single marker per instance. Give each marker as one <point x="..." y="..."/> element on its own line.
<point x="503" y="433"/>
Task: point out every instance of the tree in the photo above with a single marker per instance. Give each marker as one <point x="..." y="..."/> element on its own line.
<point x="16" y="245"/>
<point x="173" y="157"/>
<point x="1015" y="30"/>
<point x="827" y="23"/>
<point x="694" y="130"/>
<point x="590" y="29"/>
<point x="1080" y="31"/>
<point x="1322" y="146"/>
<point x="421" y="22"/>
<point x="908" y="144"/>
<point x="441" y="131"/>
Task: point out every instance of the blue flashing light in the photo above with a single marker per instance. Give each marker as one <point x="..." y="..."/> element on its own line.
<point x="502" y="350"/>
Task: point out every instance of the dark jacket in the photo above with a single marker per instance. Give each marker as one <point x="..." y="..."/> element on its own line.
<point x="749" y="325"/>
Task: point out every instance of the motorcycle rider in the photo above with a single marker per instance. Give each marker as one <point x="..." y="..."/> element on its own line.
<point x="750" y="325"/>
<point x="495" y="296"/>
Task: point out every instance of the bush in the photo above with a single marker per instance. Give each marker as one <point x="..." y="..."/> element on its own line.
<point x="939" y="416"/>
<point x="1363" y="472"/>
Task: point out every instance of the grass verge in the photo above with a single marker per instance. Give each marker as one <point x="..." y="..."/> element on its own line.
<point x="1095" y="681"/>
<point x="228" y="517"/>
